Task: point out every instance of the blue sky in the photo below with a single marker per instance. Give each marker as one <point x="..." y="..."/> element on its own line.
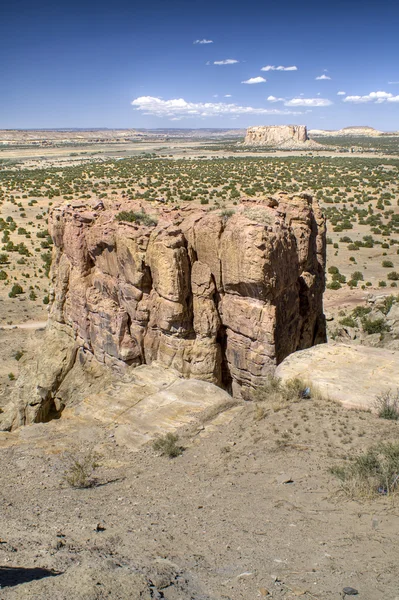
<point x="98" y="64"/>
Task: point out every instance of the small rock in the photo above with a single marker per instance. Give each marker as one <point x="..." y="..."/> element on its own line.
<point x="284" y="479"/>
<point x="100" y="527"/>
<point x="245" y="575"/>
<point x="350" y="591"/>
<point x="264" y="592"/>
<point x="298" y="591"/>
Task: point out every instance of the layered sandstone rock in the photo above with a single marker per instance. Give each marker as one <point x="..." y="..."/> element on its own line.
<point x="216" y="296"/>
<point x="276" y="135"/>
<point x="352" y="375"/>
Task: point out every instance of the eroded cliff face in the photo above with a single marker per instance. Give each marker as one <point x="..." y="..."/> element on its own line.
<point x="218" y="297"/>
<point x="276" y="135"/>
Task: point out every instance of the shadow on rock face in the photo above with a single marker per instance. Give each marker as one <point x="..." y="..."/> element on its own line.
<point x="12" y="576"/>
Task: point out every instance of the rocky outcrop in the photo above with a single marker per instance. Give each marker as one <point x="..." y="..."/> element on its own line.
<point x="352" y="375"/>
<point x="375" y="323"/>
<point x="276" y="135"/>
<point x="218" y="296"/>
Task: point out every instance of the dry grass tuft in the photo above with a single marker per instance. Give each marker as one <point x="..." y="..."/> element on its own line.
<point x="167" y="445"/>
<point x="80" y="469"/>
<point x="275" y="395"/>
<point x="375" y="472"/>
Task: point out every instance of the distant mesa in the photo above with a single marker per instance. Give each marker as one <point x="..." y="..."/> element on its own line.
<point x="353" y="131"/>
<point x="279" y="136"/>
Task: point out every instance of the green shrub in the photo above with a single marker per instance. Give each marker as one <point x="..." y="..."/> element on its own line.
<point x="3" y="275"/>
<point x="348" y="322"/>
<point x="387" y="264"/>
<point x="393" y="276"/>
<point x="334" y="285"/>
<point x="387" y="305"/>
<point x="141" y="218"/>
<point x="360" y="311"/>
<point x="16" y="290"/>
<point x="333" y="270"/>
<point x="353" y="283"/>
<point x="374" y="326"/>
<point x="357" y="276"/>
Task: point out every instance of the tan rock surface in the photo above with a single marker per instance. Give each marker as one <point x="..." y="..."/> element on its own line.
<point x="216" y="297"/>
<point x="282" y="136"/>
<point x="351" y="375"/>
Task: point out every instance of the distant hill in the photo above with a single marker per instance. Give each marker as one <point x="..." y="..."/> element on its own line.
<point x="353" y="131"/>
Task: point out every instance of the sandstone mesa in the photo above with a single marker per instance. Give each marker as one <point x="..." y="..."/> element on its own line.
<point x="217" y="296"/>
<point x="280" y="136"/>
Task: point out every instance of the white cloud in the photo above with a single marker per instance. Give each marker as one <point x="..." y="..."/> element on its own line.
<point x="204" y="41"/>
<point x="322" y="77"/>
<point x="300" y="101"/>
<point x="178" y="108"/>
<point x="308" y="102"/>
<point x="393" y="82"/>
<point x="374" y="97"/>
<point x="280" y="68"/>
<point x="228" y="61"/>
<point x="341" y="93"/>
<point x="274" y="99"/>
<point x="227" y="95"/>
<point x="253" y="80"/>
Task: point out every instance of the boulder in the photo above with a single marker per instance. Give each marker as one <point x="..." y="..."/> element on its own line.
<point x="351" y="375"/>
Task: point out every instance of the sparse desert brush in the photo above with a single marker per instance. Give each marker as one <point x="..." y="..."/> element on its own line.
<point x="277" y="395"/>
<point x="80" y="469"/>
<point x="387" y="405"/>
<point x="140" y="218"/>
<point x="348" y="322"/>
<point x="374" y="472"/>
<point x="167" y="445"/>
<point x="374" y="325"/>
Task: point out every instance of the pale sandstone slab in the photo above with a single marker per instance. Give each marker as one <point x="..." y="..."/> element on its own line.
<point x="351" y="375"/>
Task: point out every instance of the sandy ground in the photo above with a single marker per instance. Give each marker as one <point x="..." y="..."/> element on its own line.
<point x="249" y="510"/>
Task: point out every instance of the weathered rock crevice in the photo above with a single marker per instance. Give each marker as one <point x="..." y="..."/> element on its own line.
<point x="222" y="299"/>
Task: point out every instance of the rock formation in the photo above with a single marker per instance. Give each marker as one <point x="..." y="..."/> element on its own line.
<point x="351" y="375"/>
<point x="220" y="296"/>
<point x="277" y="136"/>
<point x="354" y="131"/>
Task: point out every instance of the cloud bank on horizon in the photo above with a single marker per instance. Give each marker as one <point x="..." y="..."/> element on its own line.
<point x="177" y="109"/>
<point x="376" y="97"/>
